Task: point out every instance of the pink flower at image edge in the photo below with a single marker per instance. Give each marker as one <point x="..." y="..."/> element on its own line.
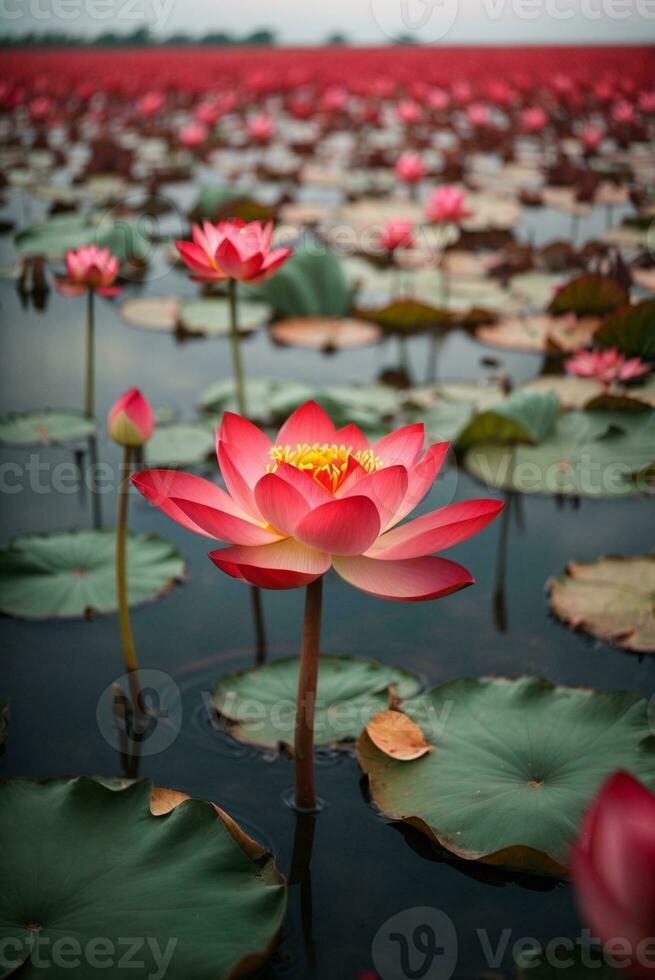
<point x="613" y="869"/>
<point x="232" y="250"/>
<point x="318" y="498"/>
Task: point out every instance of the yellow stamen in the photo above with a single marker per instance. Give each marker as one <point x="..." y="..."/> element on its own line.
<point x="328" y="464"/>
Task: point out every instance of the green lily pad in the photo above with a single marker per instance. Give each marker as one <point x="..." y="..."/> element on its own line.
<point x="589" y="296"/>
<point x="267" y="398"/>
<point x="524" y="417"/>
<point x="70" y="574"/>
<point x="322" y="333"/>
<point x="311" y="283"/>
<point x="44" y="427"/>
<point x="515" y="764"/>
<point x="181" y="444"/>
<point x="611" y="598"/>
<point x="588" y="454"/>
<point x="631" y="330"/>
<point x="573" y="392"/>
<point x="223" y="203"/>
<point x="151" y="312"/>
<point x="259" y="704"/>
<point x="53" y="238"/>
<point x="211" y="317"/>
<point x="131" y="862"/>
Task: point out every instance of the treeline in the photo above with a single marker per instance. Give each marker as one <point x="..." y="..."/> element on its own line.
<point x="142" y="37"/>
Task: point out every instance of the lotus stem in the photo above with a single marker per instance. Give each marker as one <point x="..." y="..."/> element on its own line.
<point x="237" y="366"/>
<point x="127" y="639"/>
<point x="89" y="398"/>
<point x="306" y="702"/>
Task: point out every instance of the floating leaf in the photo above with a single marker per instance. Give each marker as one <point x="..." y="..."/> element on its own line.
<point x="395" y="734"/>
<point x="211" y="317"/>
<point x="310" y="283"/>
<point x="70" y="574"/>
<point x="53" y="238"/>
<point x="260" y="704"/>
<point x="177" y="873"/>
<point x="631" y="330"/>
<point x="611" y="598"/>
<point x="151" y="312"/>
<point x="589" y="296"/>
<point x="541" y="332"/>
<point x="325" y="333"/>
<point x="516" y="763"/>
<point x="573" y="392"/>
<point x="588" y="454"/>
<point x="182" y="444"/>
<point x="267" y="398"/>
<point x="406" y="316"/>
<point x="526" y="416"/>
<point x="44" y="427"/>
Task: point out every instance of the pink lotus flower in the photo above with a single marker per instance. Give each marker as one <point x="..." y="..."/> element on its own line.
<point x="647" y="102"/>
<point x="500" y="92"/>
<point x="89" y="267"/>
<point x="623" y="112"/>
<point x="397" y="234"/>
<point x="319" y="497"/>
<point x="447" y="204"/>
<point x="208" y="112"/>
<point x="592" y="137"/>
<point x="438" y="99"/>
<point x="408" y="112"/>
<point x="613" y="869"/>
<point x="606" y="366"/>
<point x="150" y="104"/>
<point x="334" y="99"/>
<point x="409" y="168"/>
<point x="534" y="120"/>
<point x="130" y="421"/>
<point x="41" y="107"/>
<point x="193" y="134"/>
<point x="261" y="128"/>
<point x="478" y="114"/>
<point x="232" y="250"/>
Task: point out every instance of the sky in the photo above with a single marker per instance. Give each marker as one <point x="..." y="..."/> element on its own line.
<point x="362" y="21"/>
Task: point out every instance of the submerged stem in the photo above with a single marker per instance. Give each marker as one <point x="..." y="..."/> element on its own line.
<point x="89" y="399"/>
<point x="129" y="652"/>
<point x="306" y="701"/>
<point x="237" y="366"/>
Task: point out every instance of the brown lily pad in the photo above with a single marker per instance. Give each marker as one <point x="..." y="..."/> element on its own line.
<point x="611" y="598"/>
<point x="325" y="333"/>
<point x="540" y="333"/>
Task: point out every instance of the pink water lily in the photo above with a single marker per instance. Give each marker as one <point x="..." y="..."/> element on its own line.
<point x="410" y="168"/>
<point x="606" y="366"/>
<point x="447" y="204"/>
<point x="87" y="268"/>
<point x="318" y="497"/>
<point x="534" y="119"/>
<point x="232" y="250"/>
<point x="193" y="134"/>
<point x="397" y="234"/>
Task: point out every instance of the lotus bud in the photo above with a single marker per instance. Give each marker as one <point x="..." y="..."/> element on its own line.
<point x="130" y="422"/>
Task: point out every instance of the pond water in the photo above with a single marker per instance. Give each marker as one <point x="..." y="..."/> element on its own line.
<point x="361" y="869"/>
